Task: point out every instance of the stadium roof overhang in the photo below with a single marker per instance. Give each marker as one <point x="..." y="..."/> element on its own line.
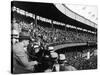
<point x="48" y="10"/>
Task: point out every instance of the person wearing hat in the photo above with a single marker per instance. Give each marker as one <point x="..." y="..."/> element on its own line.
<point x="54" y="56"/>
<point x="52" y="62"/>
<point x="63" y="66"/>
<point x="37" y="54"/>
<point x="61" y="61"/>
<point x="21" y="63"/>
<point x="51" y="57"/>
<point x="37" y="49"/>
<point x="14" y="36"/>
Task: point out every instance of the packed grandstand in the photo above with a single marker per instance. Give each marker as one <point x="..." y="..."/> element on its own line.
<point x="77" y="43"/>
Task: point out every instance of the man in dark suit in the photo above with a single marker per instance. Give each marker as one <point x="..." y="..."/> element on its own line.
<point x="21" y="63"/>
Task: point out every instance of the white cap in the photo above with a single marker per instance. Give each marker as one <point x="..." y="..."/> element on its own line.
<point x="32" y="39"/>
<point x="54" y="54"/>
<point x="50" y="48"/>
<point x="36" y="46"/>
<point x="62" y="57"/>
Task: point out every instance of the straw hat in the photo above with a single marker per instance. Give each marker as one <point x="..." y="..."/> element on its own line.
<point x="54" y="55"/>
<point x="62" y="57"/>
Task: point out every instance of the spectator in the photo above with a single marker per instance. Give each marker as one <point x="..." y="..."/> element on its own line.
<point x="22" y="63"/>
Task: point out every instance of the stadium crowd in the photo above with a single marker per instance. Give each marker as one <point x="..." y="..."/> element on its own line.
<point x="81" y="59"/>
<point x="35" y="41"/>
<point x="53" y="35"/>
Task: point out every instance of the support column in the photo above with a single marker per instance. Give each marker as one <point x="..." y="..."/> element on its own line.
<point x="52" y="23"/>
<point x="65" y="27"/>
<point x="35" y="20"/>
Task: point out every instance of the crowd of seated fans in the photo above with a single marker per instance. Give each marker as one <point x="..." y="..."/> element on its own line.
<point x="58" y="36"/>
<point x="75" y="59"/>
<point x="53" y="35"/>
